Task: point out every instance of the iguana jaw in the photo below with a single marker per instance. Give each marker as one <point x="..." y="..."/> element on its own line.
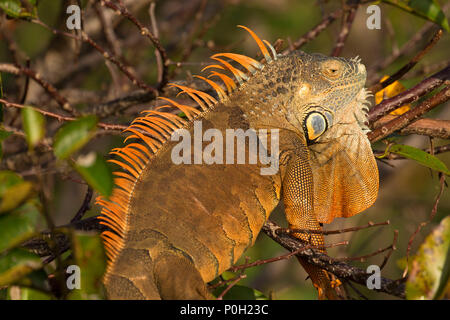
<point x="361" y="108"/>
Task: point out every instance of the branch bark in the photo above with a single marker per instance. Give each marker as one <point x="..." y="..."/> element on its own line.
<point x="410" y="116"/>
<point x="411" y="95"/>
<point x="340" y="269"/>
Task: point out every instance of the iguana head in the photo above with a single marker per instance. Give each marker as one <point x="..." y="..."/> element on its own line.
<point x="326" y="89"/>
<point x="329" y="103"/>
<point x="323" y="100"/>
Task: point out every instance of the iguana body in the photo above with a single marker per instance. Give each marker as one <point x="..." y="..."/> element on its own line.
<point x="179" y="226"/>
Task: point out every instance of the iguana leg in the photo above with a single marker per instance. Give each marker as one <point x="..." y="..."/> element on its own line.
<point x="177" y="278"/>
<point x="298" y="201"/>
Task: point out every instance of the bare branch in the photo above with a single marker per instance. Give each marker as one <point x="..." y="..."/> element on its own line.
<point x="409" y="96"/>
<point x="314" y="32"/>
<point x="120" y="9"/>
<point x="345" y="30"/>
<point x="400" y="73"/>
<point x="60" y="117"/>
<point x="18" y="69"/>
<point x="338" y="268"/>
<point x="410" y="116"/>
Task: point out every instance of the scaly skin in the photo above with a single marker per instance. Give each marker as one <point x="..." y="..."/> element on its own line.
<point x="185" y="224"/>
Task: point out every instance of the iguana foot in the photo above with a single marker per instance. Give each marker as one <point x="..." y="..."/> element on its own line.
<point x="335" y="283"/>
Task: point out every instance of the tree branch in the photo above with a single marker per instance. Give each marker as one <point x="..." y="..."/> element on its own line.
<point x="340" y="269"/>
<point x="410" y="116"/>
<point x="408" y="96"/>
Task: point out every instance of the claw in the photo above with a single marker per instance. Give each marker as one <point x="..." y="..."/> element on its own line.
<point x="335" y="283"/>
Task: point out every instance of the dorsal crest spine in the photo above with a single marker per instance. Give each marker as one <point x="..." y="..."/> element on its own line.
<point x="154" y="128"/>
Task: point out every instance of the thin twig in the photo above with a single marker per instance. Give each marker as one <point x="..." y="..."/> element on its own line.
<point x="159" y="60"/>
<point x="52" y="91"/>
<point x="409" y="96"/>
<point x="393" y="248"/>
<point x="410" y="116"/>
<point x="231" y="285"/>
<point x="285" y="256"/>
<point x="356" y="290"/>
<point x="338" y="268"/>
<point x="402" y="71"/>
<point x="423" y="224"/>
<point x="418" y="36"/>
<point x="325" y="232"/>
<point x="314" y="32"/>
<point x="411" y="43"/>
<point x="122" y="10"/>
<point x="364" y="257"/>
<point x="84" y="207"/>
<point x="110" y="57"/>
<point x="345" y="30"/>
<point x="105" y="126"/>
<point x="119" y="64"/>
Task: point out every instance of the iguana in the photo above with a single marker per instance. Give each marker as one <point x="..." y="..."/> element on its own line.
<point x="176" y="226"/>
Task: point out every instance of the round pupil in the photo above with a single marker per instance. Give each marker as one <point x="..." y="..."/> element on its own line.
<point x="317" y="123"/>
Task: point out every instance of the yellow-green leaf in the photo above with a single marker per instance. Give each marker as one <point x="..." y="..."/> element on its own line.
<point x="11" y="7"/>
<point x="33" y="286"/>
<point x="33" y="125"/>
<point x="16" y="264"/>
<point x="19" y="225"/>
<point x="97" y="173"/>
<point x="13" y="190"/>
<point x="14" y="8"/>
<point x="430" y="268"/>
<point x="73" y="136"/>
<point x="419" y="156"/>
<point x="428" y="9"/>
<point x="90" y="258"/>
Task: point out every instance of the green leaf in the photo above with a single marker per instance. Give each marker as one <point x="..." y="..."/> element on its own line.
<point x="15" y="195"/>
<point x="430" y="269"/>
<point x="73" y="136"/>
<point x="11" y="7"/>
<point x="3" y="135"/>
<point x="20" y="225"/>
<point x="428" y="9"/>
<point x="97" y="173"/>
<point x="7" y="180"/>
<point x="24" y="293"/>
<point x="16" y="264"/>
<point x="182" y="115"/>
<point x="14" y="8"/>
<point x="239" y="292"/>
<point x="34" y="286"/>
<point x="13" y="190"/>
<point x="33" y="125"/>
<point x="90" y="258"/>
<point x="420" y="156"/>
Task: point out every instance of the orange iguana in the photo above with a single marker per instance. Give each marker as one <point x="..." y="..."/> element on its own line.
<point x="174" y="226"/>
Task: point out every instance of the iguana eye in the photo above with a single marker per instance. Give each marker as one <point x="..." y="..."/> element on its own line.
<point x="315" y="125"/>
<point x="332" y="69"/>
